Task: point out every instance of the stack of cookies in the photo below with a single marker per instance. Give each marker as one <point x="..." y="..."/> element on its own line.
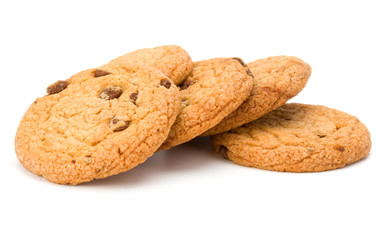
<point x="107" y="120"/>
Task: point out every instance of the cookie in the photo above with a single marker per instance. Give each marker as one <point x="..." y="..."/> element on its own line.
<point x="296" y="138"/>
<point x="97" y="124"/>
<point x="171" y="60"/>
<point x="215" y="88"/>
<point x="277" y="79"/>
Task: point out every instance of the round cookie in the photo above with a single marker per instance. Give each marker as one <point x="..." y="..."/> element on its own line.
<point x="276" y="80"/>
<point x="296" y="138"/>
<point x="171" y="60"/>
<point x="215" y="88"/>
<point x="97" y="124"/>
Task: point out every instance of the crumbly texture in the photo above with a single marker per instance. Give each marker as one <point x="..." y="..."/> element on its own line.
<point x="171" y="60"/>
<point x="215" y="88"/>
<point x="296" y="138"/>
<point x="100" y="124"/>
<point x="276" y="80"/>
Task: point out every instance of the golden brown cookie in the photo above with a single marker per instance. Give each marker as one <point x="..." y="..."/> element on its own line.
<point x="276" y="80"/>
<point x="296" y="138"/>
<point x="172" y="60"/>
<point x="215" y="88"/>
<point x="97" y="124"/>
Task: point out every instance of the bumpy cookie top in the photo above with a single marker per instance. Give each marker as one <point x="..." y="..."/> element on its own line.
<point x="276" y="80"/>
<point x="297" y="138"/>
<point x="97" y="124"/>
<point x="171" y="60"/>
<point x="214" y="88"/>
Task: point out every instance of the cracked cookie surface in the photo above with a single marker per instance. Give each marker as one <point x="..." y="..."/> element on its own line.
<point x="276" y="80"/>
<point x="98" y="123"/>
<point x="171" y="60"/>
<point x="296" y="138"/>
<point x="215" y="88"/>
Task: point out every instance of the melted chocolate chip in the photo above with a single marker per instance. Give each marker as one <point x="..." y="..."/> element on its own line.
<point x="121" y="128"/>
<point x="241" y="61"/>
<point x="186" y="84"/>
<point x="73" y="161"/>
<point x="133" y="97"/>
<point x="340" y="148"/>
<point x="57" y="87"/>
<point x="110" y="92"/>
<point x="165" y="83"/>
<point x="244" y="65"/>
<point x="250" y="73"/>
<point x="223" y="151"/>
<point x="118" y="125"/>
<point x="100" y="73"/>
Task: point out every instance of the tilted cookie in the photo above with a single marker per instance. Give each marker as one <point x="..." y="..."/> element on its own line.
<point x="277" y="79"/>
<point x="172" y="60"/>
<point x="215" y="88"/>
<point x="296" y="138"/>
<point x="97" y="124"/>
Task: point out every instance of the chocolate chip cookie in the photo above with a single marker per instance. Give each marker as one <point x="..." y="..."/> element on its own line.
<point x="296" y="138"/>
<point x="276" y="80"/>
<point x="215" y="88"/>
<point x="172" y="60"/>
<point x="97" y="124"/>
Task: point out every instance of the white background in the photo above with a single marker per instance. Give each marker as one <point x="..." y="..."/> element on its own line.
<point x="189" y="192"/>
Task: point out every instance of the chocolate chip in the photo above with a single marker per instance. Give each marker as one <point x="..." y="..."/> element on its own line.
<point x="250" y="73"/>
<point x="241" y="61"/>
<point x="165" y="83"/>
<point x="118" y="125"/>
<point x="340" y="148"/>
<point x="244" y="65"/>
<point x="73" y="161"/>
<point x="184" y="85"/>
<point x="121" y="128"/>
<point x="133" y="97"/>
<point x="57" y="87"/>
<point x="223" y="151"/>
<point x="100" y="73"/>
<point x="321" y="135"/>
<point x="110" y="92"/>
